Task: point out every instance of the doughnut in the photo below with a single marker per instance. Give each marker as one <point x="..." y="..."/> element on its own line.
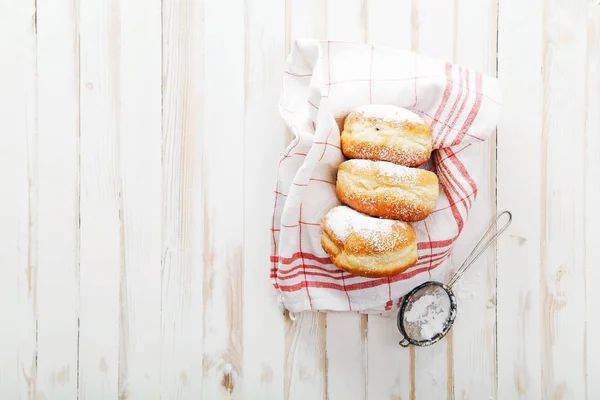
<point x="386" y="133"/>
<point x="384" y="189"/>
<point x="367" y="246"/>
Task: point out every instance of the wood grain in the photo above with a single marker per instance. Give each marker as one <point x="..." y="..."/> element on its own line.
<point x="184" y="247"/>
<point x="264" y="325"/>
<point x="222" y="191"/>
<point x="345" y="342"/>
<point x="140" y="148"/>
<point x="388" y="23"/>
<point x="592" y="193"/>
<point x="432" y="34"/>
<point x="18" y="207"/>
<point x="305" y="19"/>
<point x="138" y="151"/>
<point x="100" y="208"/>
<point x="57" y="170"/>
<point x="306" y="357"/>
<point x="562" y="205"/>
<point x="389" y="372"/>
<point x="390" y="368"/>
<point x="346" y="362"/>
<point x="474" y="332"/>
<point x="519" y="138"/>
<point x="305" y="370"/>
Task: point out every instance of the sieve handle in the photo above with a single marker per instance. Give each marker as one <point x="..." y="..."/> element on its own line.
<point x="481" y="246"/>
<point x="404" y="342"/>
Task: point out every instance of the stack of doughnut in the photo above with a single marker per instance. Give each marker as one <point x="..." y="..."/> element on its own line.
<point x="381" y="190"/>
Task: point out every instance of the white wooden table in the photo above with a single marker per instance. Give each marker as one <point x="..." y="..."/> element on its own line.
<point x="138" y="146"/>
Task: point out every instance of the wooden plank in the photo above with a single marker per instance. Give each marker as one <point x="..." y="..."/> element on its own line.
<point x="306" y="357"/>
<point x="389" y="372"/>
<point x="346" y="20"/>
<point x="430" y="368"/>
<point x="346" y="339"/>
<point x="305" y="371"/>
<point x="474" y="334"/>
<point x="563" y="200"/>
<point x="345" y="336"/>
<point x="140" y="166"/>
<point x="388" y="23"/>
<point x="540" y="328"/>
<point x="265" y="140"/>
<point x="101" y="224"/>
<point x="222" y="190"/>
<point x="305" y="19"/>
<point x="592" y="196"/>
<point x="57" y="159"/>
<point x="519" y="138"/>
<point x="17" y="200"/>
<point x="433" y="34"/>
<point x="183" y="237"/>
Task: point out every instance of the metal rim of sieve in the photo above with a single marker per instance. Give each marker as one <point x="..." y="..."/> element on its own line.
<point x="477" y="251"/>
<point x="406" y="340"/>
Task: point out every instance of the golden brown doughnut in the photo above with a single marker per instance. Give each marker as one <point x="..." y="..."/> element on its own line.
<point x="387" y="190"/>
<point x="386" y="133"/>
<point x="367" y="246"/>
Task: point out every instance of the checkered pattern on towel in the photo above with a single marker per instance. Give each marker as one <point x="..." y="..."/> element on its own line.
<point x="323" y="81"/>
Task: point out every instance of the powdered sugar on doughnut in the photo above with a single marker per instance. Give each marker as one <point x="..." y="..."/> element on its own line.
<point x="389" y="113"/>
<point x="382" y="152"/>
<point x="397" y="172"/>
<point x="343" y="220"/>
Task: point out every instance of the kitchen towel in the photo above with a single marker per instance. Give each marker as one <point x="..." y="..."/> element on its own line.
<point x="322" y="82"/>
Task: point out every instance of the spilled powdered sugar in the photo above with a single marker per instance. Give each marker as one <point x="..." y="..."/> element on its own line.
<point x="426" y="315"/>
<point x="389" y="113"/>
<point x="343" y="220"/>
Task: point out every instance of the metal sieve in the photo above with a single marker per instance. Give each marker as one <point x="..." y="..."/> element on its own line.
<point x="429" y="310"/>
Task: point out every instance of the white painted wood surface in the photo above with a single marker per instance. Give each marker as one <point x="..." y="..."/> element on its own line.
<point x="138" y="148"/>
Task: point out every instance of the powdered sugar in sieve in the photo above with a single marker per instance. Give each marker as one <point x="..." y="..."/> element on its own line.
<point x="428" y="311"/>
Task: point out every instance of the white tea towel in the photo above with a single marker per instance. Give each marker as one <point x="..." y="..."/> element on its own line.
<point x="322" y="83"/>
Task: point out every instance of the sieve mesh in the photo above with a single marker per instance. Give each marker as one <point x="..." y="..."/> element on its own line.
<point x="427" y="313"/>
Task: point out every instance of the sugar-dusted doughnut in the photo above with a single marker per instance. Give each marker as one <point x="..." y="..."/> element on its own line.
<point x="386" y="133"/>
<point x="368" y="246"/>
<point x="384" y="189"/>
